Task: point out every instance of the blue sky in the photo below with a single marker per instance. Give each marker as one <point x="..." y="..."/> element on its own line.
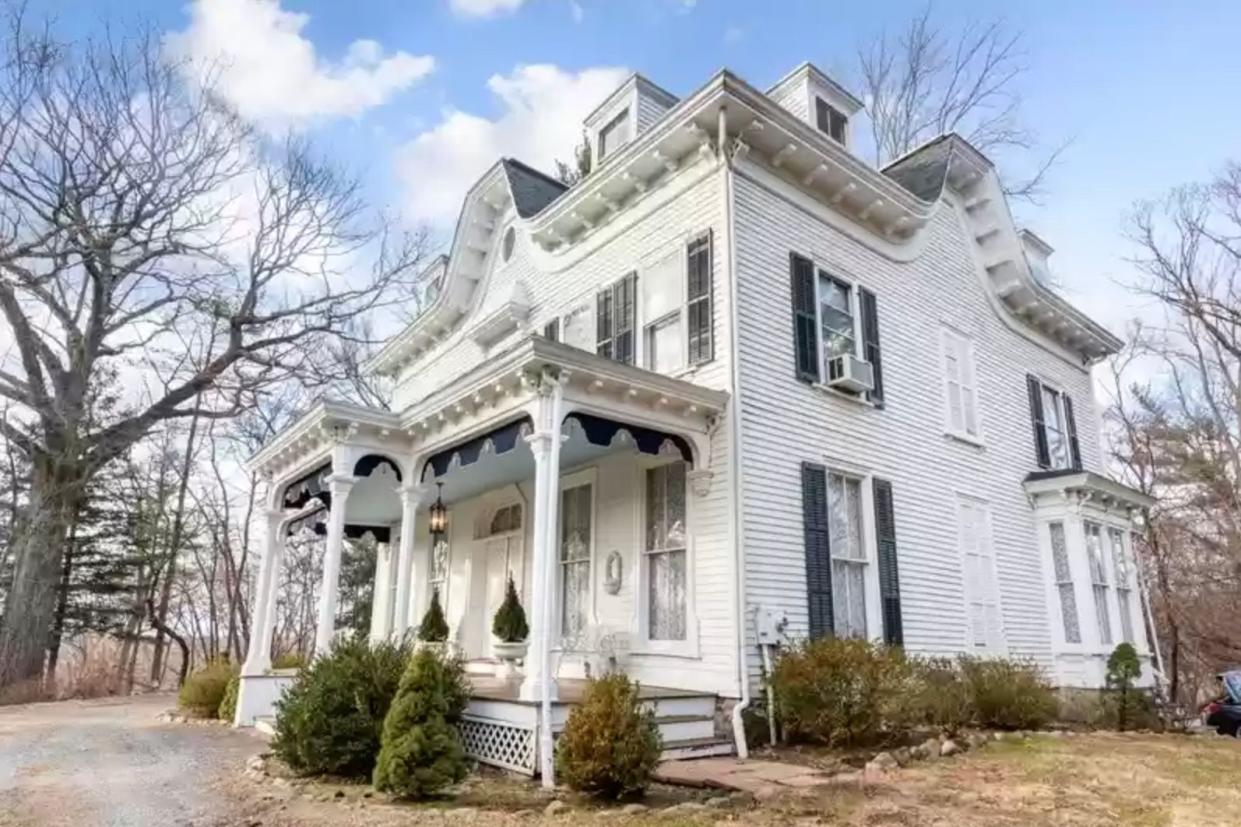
<point x="1145" y="90"/>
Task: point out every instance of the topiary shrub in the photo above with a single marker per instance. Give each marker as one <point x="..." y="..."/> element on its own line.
<point x="434" y="628"/>
<point x="1124" y="703"/>
<point x="1008" y="694"/>
<point x="421" y="752"/>
<point x="329" y="721"/>
<point x="203" y="690"/>
<point x="509" y="624"/>
<point x="940" y="696"/>
<point x="289" y="660"/>
<point x="610" y="745"/>
<point x="228" y="704"/>
<point x="842" y="692"/>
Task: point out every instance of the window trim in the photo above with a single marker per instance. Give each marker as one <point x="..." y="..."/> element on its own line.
<point x="1122" y="581"/>
<point x="1101" y="601"/>
<point x="948" y="333"/>
<point x="1061" y="394"/>
<point x="643" y="645"/>
<point x="625" y="112"/>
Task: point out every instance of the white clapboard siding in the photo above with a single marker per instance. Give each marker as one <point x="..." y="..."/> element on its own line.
<point x="786" y="422"/>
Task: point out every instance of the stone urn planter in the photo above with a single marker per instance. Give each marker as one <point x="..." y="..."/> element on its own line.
<point x="509" y="653"/>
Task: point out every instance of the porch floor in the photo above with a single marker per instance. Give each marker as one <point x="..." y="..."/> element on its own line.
<point x="568" y="691"/>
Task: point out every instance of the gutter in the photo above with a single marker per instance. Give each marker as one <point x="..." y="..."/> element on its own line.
<point x="734" y="452"/>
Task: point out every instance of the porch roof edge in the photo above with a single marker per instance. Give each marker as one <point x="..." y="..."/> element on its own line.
<point x="320" y="416"/>
<point x="1044" y="482"/>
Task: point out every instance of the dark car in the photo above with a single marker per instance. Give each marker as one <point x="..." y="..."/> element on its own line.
<point x="1226" y="718"/>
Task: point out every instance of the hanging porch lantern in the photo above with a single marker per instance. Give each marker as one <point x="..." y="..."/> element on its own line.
<point x="438" y="513"/>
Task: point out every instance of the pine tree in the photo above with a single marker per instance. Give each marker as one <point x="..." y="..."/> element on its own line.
<point x="421" y="751"/>
<point x="434" y="628"/>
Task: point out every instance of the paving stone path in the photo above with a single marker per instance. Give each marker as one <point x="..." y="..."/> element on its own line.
<point x="746" y="776"/>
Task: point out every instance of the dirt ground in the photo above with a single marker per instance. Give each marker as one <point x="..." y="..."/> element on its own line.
<point x="114" y="763"/>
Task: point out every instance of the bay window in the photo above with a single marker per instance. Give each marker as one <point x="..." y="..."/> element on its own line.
<point x="1064" y="584"/>
<point x="1123" y="576"/>
<point x="1098" y="581"/>
<point x="665" y="553"/>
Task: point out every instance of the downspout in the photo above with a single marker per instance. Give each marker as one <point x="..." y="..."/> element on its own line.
<point x="734" y="452"/>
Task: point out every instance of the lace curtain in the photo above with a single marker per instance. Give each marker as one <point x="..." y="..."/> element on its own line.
<point x="666" y="552"/>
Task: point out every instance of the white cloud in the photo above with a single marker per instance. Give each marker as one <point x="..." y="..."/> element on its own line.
<point x="273" y="74"/>
<point x="484" y="8"/>
<point x="542" y="107"/>
<point x="576" y="11"/>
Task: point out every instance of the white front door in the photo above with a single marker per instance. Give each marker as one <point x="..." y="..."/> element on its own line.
<point x="503" y="559"/>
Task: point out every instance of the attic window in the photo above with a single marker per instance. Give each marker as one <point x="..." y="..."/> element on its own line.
<point x="614" y="135"/>
<point x="506" y="246"/>
<point x="830" y="120"/>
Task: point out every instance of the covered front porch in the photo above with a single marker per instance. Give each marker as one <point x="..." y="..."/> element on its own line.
<point x="593" y="485"/>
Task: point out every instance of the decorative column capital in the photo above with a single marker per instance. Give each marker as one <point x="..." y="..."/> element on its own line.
<point x="700" y="481"/>
<point x="341" y="483"/>
<point x="540" y="443"/>
<point x="413" y="493"/>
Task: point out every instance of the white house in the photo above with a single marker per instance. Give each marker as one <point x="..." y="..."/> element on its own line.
<point x="736" y="387"/>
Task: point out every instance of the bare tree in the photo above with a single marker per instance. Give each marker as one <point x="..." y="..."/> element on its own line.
<point x="1175" y="421"/>
<point x="925" y="82"/>
<point x="144" y="227"/>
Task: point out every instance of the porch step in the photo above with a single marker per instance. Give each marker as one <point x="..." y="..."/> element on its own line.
<point x="696" y="748"/>
<point x="677" y="728"/>
<point x="266" y="724"/>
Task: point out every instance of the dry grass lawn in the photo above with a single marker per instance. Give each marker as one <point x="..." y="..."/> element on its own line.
<point x="1097" y="779"/>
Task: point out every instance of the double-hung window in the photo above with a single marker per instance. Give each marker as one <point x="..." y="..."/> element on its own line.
<point x="1098" y="580"/>
<point x="1064" y="583"/>
<point x="837" y="327"/>
<point x="576" y="538"/>
<point x="614" y="135"/>
<point x="665" y="553"/>
<point x="830" y="120"/>
<point x="615" y="319"/>
<point x="1055" y="428"/>
<point x="848" y="549"/>
<point x="1123" y="575"/>
<point x="961" y="384"/>
<point x="676" y="308"/>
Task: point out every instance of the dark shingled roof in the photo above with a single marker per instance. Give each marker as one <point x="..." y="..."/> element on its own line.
<point x="532" y="190"/>
<point x="925" y="170"/>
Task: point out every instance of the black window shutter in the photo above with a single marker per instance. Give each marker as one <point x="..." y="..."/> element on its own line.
<point x="889" y="576"/>
<point x="1075" y="448"/>
<point x="818" y="550"/>
<point x="551" y="330"/>
<point x="870" y="341"/>
<point x="700" y="322"/>
<point x="1035" y="389"/>
<point x="603" y="323"/>
<point x="805" y="327"/>
<point x="626" y="303"/>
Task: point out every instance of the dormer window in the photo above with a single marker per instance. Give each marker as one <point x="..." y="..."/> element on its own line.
<point x="615" y="135"/>
<point x="830" y="120"/>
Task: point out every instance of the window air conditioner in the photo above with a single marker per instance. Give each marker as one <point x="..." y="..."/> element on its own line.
<point x="849" y="373"/>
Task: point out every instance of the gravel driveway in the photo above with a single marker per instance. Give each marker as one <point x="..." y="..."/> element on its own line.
<point x="111" y="762"/>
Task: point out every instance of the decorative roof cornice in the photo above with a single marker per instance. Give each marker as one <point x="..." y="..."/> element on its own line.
<point x="325" y="423"/>
<point x="1086" y="485"/>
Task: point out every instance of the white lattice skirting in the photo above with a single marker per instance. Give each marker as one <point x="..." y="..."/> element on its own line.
<point x="500" y="743"/>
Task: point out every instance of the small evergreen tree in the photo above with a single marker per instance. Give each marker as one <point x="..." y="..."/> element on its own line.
<point x="610" y="744"/>
<point x="421" y="751"/>
<point x="509" y="624"/>
<point x="570" y="173"/>
<point x="1123" y="671"/>
<point x="434" y="628"/>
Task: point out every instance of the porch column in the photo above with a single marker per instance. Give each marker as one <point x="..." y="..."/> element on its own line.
<point x="381" y="594"/>
<point x="408" y="576"/>
<point x="340" y="485"/>
<point x="258" y="654"/>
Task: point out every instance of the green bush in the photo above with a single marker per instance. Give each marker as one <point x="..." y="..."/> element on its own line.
<point x="434" y="628"/>
<point x="610" y="745"/>
<point x="289" y="660"/>
<point x="842" y="692"/>
<point x="421" y="751"/>
<point x="1008" y="694"/>
<point x="940" y="696"/>
<point x="509" y="624"/>
<point x="1125" y="705"/>
<point x="228" y="704"/>
<point x="205" y="688"/>
<point x="330" y="719"/>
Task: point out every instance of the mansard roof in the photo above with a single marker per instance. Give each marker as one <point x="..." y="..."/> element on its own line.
<point x="532" y="190"/>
